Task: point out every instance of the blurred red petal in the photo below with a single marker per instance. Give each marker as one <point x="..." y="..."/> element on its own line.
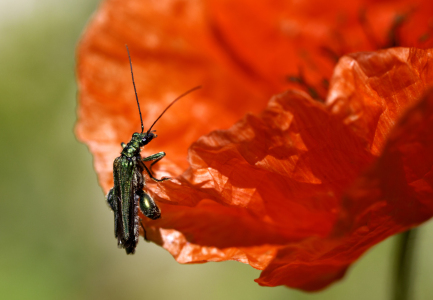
<point x="299" y="191"/>
<point x="171" y="51"/>
<point x="290" y="37"/>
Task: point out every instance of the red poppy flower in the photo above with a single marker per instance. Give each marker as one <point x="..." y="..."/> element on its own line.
<point x="301" y="189"/>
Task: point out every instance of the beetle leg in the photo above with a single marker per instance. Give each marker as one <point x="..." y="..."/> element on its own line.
<point x="144" y="232"/>
<point x="148" y="206"/>
<point x="156" y="157"/>
<point x="113" y="205"/>
<point x="110" y="200"/>
<point x="156" y="179"/>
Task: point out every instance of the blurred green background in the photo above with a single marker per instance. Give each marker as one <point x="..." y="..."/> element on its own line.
<point x="56" y="232"/>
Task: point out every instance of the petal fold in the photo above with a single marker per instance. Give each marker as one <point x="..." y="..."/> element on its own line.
<point x="298" y="188"/>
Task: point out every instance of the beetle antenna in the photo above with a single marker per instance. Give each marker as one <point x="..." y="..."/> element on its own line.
<point x="178" y="98"/>
<point x="135" y="90"/>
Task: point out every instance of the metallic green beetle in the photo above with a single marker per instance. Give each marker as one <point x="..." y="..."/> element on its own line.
<point x="127" y="193"/>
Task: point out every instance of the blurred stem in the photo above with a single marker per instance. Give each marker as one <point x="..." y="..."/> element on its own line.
<point x="404" y="264"/>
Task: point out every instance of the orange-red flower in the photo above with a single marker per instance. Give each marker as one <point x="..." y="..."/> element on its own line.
<point x="301" y="189"/>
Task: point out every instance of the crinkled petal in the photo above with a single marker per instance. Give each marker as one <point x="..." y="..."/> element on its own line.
<point x="396" y="192"/>
<point x="282" y="178"/>
<point x="176" y="45"/>
<point x="371" y="90"/>
<point x="393" y="195"/>
<point x="299" y="191"/>
<point x="274" y="177"/>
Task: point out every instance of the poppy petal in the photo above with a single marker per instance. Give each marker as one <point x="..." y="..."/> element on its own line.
<point x="393" y="195"/>
<point x="370" y="91"/>
<point x="282" y="178"/>
<point x="299" y="191"/>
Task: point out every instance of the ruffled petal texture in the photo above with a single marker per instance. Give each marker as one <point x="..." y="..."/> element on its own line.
<point x="298" y="188"/>
<point x="317" y="185"/>
<point x="394" y="193"/>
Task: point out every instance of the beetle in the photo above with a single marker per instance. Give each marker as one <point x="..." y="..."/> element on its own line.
<point x="127" y="194"/>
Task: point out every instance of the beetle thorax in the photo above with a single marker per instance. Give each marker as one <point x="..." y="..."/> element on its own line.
<point x="131" y="149"/>
<point x="138" y="140"/>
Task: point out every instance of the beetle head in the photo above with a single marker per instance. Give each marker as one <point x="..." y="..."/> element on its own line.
<point x="144" y="138"/>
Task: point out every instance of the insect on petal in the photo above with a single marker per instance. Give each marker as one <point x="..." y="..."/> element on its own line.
<point x="299" y="186"/>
